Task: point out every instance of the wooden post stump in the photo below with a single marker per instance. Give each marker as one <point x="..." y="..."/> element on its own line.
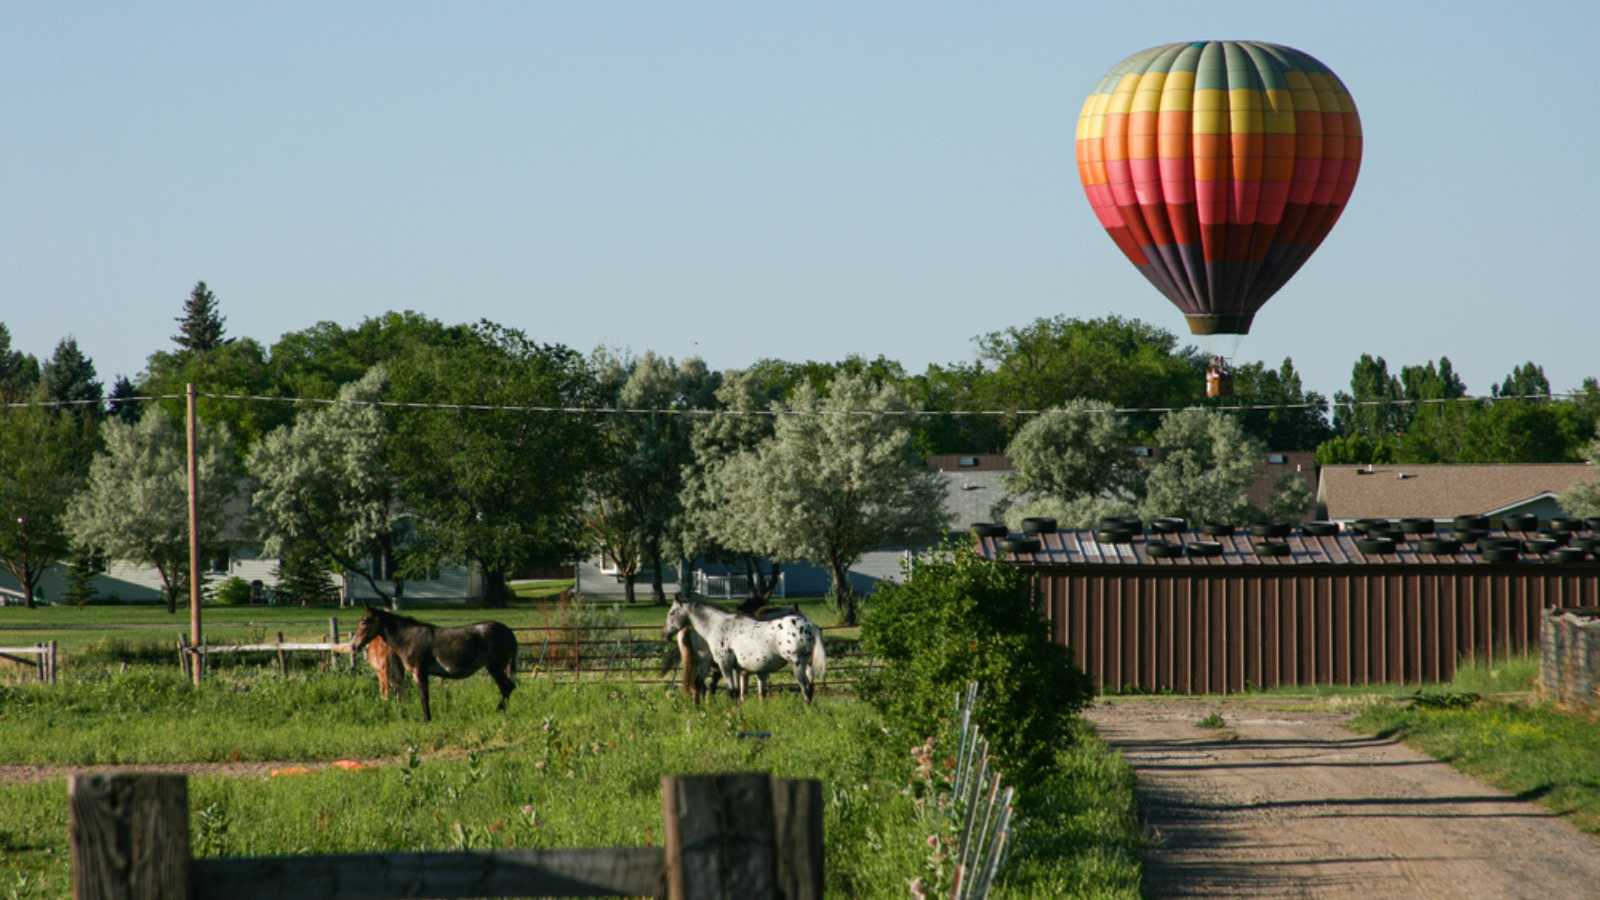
<point x="283" y="661"/>
<point x="734" y="836"/>
<point x="129" y="836"/>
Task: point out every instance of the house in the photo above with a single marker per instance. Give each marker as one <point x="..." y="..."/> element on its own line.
<point x="1444" y="491"/>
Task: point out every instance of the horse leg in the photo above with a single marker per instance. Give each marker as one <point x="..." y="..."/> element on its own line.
<point x="505" y="684"/>
<point x="802" y="674"/>
<point x="761" y="686"/>
<point x="421" y="678"/>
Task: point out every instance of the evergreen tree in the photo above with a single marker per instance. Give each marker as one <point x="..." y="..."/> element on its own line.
<point x="69" y="377"/>
<point x="305" y="576"/>
<point x="19" y="371"/>
<point x="200" y="326"/>
<point x="81" y="569"/>
<point x="119" y="405"/>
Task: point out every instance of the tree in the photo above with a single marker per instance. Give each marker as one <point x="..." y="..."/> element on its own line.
<point x="639" y="488"/>
<point x="317" y="361"/>
<point x="234" y="367"/>
<point x="81" y="566"/>
<point x="19" y="372"/>
<point x="42" y="463"/>
<point x="69" y="377"/>
<point x="1370" y="409"/>
<point x="120" y="403"/>
<point x="1206" y="467"/>
<point x="1076" y="451"/>
<point x="1291" y="499"/>
<point x="1527" y="381"/>
<point x="1583" y="498"/>
<point x="738" y="427"/>
<point x="134" y="506"/>
<point x="304" y="575"/>
<point x="200" y="327"/>
<point x="497" y="488"/>
<point x="1355" y="449"/>
<point x="838" y="477"/>
<point x="1125" y="362"/>
<point x="1295" y="418"/>
<point x="327" y="487"/>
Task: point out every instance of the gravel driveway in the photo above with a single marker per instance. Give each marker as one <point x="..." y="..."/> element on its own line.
<point x="1290" y="804"/>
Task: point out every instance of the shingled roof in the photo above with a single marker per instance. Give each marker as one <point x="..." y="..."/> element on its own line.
<point x="1079" y="548"/>
<point x="1441" y="491"/>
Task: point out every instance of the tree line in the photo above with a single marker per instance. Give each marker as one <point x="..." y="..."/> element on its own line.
<point x="334" y="487"/>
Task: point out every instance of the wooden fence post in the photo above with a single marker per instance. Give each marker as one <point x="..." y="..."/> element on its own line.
<point x="333" y="638"/>
<point x="129" y="835"/>
<point x="283" y="661"/>
<point x="39" y="664"/>
<point x="53" y="659"/>
<point x="742" y="836"/>
<point x="183" y="656"/>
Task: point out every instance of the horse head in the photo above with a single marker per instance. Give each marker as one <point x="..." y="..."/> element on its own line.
<point x="370" y="626"/>
<point x="677" y="619"/>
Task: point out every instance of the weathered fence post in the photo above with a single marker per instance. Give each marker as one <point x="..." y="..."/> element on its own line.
<point x="333" y="638"/>
<point x="129" y="835"/>
<point x="283" y="660"/>
<point x="39" y="664"/>
<point x="742" y="836"/>
<point x="183" y="656"/>
<point x="53" y="659"/>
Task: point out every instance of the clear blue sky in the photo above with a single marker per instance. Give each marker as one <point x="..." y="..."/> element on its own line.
<point x="743" y="180"/>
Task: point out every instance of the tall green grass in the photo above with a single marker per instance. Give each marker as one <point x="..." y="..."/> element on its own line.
<point x="568" y="766"/>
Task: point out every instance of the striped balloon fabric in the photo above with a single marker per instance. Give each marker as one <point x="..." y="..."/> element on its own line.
<point x="1218" y="167"/>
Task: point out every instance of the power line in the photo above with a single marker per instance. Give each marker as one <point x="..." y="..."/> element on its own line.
<point x="774" y="413"/>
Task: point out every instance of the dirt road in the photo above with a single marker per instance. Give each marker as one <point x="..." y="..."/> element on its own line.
<point x="1290" y="804"/>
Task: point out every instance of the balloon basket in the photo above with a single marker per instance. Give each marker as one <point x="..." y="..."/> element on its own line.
<point x="1219" y="379"/>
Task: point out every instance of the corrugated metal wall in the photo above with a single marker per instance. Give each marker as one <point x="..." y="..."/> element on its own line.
<point x="1196" y="630"/>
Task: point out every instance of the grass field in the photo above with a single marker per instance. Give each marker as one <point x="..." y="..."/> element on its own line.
<point x="570" y="765"/>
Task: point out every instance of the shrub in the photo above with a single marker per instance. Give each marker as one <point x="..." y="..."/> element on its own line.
<point x="232" y="591"/>
<point x="960" y="618"/>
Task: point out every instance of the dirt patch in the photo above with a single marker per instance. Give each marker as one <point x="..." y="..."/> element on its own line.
<point x="25" y="774"/>
<point x="1284" y="802"/>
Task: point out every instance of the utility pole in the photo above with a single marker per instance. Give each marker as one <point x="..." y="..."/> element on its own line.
<point x="194" y="541"/>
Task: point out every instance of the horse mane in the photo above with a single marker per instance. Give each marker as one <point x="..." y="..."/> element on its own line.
<point x="394" y="618"/>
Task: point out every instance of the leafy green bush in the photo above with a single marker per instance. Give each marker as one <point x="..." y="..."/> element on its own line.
<point x="960" y="618"/>
<point x="233" y="591"/>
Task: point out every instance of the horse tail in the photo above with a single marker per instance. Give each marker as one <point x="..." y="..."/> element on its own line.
<point x="686" y="657"/>
<point x="819" y="655"/>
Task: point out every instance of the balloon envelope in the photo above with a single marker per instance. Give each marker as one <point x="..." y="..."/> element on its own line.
<point x="1218" y="167"/>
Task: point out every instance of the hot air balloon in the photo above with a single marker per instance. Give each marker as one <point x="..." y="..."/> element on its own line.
<point x="1218" y="167"/>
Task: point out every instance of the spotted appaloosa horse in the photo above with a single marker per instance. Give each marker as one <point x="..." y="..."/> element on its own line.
<point x="742" y="646"/>
<point x="428" y="651"/>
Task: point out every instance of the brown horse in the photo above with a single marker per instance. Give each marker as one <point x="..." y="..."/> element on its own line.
<point x="426" y="650"/>
<point x="386" y="663"/>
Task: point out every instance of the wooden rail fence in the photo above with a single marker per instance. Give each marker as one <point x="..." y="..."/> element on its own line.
<point x="739" y="835"/>
<point x="43" y="661"/>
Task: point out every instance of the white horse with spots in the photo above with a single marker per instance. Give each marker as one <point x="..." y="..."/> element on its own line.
<point x="742" y="646"/>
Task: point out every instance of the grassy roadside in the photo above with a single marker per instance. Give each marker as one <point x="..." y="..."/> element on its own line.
<point x="1521" y="745"/>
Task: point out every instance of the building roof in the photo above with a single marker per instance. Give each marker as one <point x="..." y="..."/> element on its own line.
<point x="972" y="494"/>
<point x="1441" y="491"/>
<point x="1079" y="548"/>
